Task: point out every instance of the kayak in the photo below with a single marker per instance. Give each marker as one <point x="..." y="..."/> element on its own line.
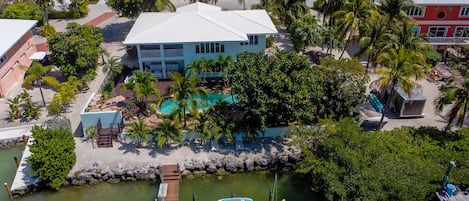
<point x="376" y="103"/>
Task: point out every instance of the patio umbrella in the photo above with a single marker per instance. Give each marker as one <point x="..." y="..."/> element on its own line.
<point x="444" y="181"/>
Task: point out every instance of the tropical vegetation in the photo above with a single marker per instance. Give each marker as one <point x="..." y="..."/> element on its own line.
<point x="36" y="76"/>
<point x="22" y="106"/>
<point x="76" y="51"/>
<point x="22" y="10"/>
<point x="143" y="89"/>
<point x="52" y="155"/>
<point x="133" y="8"/>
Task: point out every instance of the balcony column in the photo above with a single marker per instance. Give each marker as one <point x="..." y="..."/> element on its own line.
<point x="139" y="58"/>
<point x="163" y="65"/>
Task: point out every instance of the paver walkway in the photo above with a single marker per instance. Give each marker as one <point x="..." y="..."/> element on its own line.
<point x="103" y="17"/>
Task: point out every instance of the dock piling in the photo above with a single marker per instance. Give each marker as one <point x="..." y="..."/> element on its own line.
<point x="17" y="162"/>
<point x="25" y="139"/>
<point x="7" y="188"/>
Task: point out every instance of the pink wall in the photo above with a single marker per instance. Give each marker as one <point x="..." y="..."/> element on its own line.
<point x="18" y="56"/>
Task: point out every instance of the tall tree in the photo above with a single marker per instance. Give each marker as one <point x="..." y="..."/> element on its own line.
<point x="402" y="68"/>
<point x="374" y="39"/>
<point x="327" y="8"/>
<point x="404" y="36"/>
<point x="36" y="75"/>
<point x="289" y="10"/>
<point x="455" y="92"/>
<point x="143" y="87"/>
<point x="166" y="132"/>
<point x="396" y="9"/>
<point x="305" y="32"/>
<point x="183" y="90"/>
<point x="76" y="51"/>
<point x="23" y="10"/>
<point x="354" y="14"/>
<point x="133" y="8"/>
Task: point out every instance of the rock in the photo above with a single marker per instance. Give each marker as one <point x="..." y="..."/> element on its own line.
<point x="78" y="182"/>
<point x="113" y="181"/>
<point x="249" y="164"/>
<point x="93" y="182"/>
<point x="231" y="164"/>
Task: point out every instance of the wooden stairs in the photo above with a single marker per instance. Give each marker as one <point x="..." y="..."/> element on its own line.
<point x="106" y="135"/>
<point x="171" y="177"/>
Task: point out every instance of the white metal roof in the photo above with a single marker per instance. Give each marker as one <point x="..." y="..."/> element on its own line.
<point x="199" y="22"/>
<point x="11" y="31"/>
<point x="441" y="2"/>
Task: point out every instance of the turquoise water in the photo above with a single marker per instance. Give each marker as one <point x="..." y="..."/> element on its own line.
<point x="203" y="103"/>
<point x="8" y="167"/>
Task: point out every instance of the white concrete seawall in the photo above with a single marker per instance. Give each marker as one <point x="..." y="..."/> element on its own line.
<point x="23" y="180"/>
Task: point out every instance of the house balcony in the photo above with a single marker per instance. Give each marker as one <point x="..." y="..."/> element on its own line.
<point x="173" y="53"/>
<point x="150" y="53"/>
<point x="448" y="40"/>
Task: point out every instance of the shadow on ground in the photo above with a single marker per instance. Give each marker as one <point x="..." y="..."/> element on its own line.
<point x="116" y="32"/>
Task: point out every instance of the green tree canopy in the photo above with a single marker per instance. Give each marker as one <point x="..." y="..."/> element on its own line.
<point x="305" y="32"/>
<point x="76" y="51"/>
<point x="53" y="155"/>
<point x="22" y="10"/>
<point x="133" y="8"/>
<point x="343" y="162"/>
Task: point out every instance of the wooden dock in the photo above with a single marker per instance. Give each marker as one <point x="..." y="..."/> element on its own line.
<point x="460" y="196"/>
<point x="170" y="175"/>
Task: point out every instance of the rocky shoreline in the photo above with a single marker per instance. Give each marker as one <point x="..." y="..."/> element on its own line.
<point x="222" y="165"/>
<point x="11" y="142"/>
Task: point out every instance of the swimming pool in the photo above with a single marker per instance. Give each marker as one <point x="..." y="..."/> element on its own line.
<point x="169" y="106"/>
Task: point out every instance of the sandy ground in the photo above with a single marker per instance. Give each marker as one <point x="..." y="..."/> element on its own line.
<point x="127" y="154"/>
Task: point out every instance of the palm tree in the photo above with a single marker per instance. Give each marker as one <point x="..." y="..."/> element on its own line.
<point x="143" y="86"/>
<point x="183" y="90"/>
<point x="224" y="62"/>
<point x="289" y="10"/>
<point x="455" y="93"/>
<point x="305" y="32"/>
<point x="372" y="43"/>
<point x="403" y="67"/>
<point x="139" y="131"/>
<point x="328" y="8"/>
<point x="193" y="68"/>
<point x="92" y="134"/>
<point x="114" y="66"/>
<point x="14" y="112"/>
<point x="404" y="36"/>
<point x="36" y="75"/>
<point x="396" y="9"/>
<point x="205" y="65"/>
<point x="45" y="5"/>
<point x="166" y="132"/>
<point x="354" y="13"/>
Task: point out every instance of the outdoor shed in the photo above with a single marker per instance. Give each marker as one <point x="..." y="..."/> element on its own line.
<point x="406" y="106"/>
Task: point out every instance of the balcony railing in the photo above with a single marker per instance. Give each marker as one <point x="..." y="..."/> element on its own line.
<point x="173" y="53"/>
<point x="448" y="40"/>
<point x="150" y="53"/>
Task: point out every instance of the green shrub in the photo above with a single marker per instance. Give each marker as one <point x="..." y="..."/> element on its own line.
<point x="53" y="155"/>
<point x="269" y="41"/>
<point x="432" y="57"/>
<point x="47" y="30"/>
<point x="23" y="10"/>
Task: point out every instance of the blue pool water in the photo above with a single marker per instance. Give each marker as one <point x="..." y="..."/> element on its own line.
<point x="169" y="106"/>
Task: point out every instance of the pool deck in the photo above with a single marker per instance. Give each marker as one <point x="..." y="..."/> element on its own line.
<point x="23" y="180"/>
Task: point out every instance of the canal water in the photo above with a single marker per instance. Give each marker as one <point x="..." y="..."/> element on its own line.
<point x="255" y="185"/>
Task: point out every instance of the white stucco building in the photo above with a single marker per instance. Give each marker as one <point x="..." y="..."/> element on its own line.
<point x="169" y="41"/>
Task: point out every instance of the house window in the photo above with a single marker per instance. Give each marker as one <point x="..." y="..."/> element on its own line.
<point x="210" y="48"/>
<point x="29" y="48"/>
<point x="149" y="47"/>
<point x="437" y="31"/>
<point x="464" y="12"/>
<point x="461" y="32"/>
<point x="22" y="56"/>
<point x="415" y="12"/>
<point x="253" y="40"/>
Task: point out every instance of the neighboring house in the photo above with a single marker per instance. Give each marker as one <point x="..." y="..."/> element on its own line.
<point x="445" y="22"/>
<point x="169" y="41"/>
<point x="16" y="46"/>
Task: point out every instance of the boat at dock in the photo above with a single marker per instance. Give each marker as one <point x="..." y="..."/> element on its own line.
<point x="236" y="199"/>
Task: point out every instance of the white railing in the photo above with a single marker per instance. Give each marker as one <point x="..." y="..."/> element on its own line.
<point x="448" y="40"/>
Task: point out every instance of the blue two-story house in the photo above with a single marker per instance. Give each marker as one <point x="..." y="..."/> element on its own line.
<point x="169" y="41"/>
